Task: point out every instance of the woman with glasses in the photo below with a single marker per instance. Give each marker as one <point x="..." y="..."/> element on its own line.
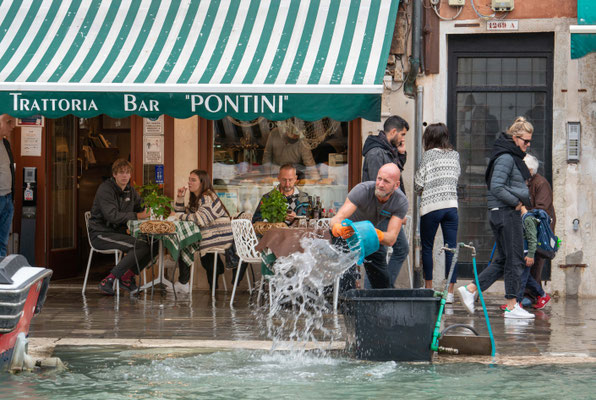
<point x="506" y="178"/>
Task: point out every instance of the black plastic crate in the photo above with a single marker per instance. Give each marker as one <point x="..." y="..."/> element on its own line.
<point x="390" y="324"/>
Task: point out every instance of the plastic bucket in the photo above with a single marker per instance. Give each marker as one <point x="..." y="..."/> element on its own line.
<point x="390" y="324"/>
<point x="364" y="239"/>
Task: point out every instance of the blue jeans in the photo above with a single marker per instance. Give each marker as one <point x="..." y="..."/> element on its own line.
<point x="400" y="253"/>
<point x="528" y="280"/>
<point x="429" y="223"/>
<point x="6" y="213"/>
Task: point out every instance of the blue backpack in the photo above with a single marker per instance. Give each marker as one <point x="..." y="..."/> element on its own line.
<point x="548" y="243"/>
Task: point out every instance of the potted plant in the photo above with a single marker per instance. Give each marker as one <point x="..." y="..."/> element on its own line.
<point x="158" y="204"/>
<point x="273" y="209"/>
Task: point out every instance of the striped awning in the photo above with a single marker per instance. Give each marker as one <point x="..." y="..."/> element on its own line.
<point x="243" y="58"/>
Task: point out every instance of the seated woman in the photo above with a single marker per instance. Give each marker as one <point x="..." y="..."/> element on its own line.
<point x="206" y="210"/>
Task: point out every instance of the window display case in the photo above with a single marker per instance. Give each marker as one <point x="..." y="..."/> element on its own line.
<point x="247" y="156"/>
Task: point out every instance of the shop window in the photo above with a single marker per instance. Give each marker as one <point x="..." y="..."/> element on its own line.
<point x="247" y="156"/>
<point x="487" y="91"/>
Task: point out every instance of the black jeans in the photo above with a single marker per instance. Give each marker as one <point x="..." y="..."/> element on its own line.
<point x="429" y="223"/>
<point x="129" y="245"/>
<point x="508" y="262"/>
<point x="207" y="263"/>
<point x="376" y="271"/>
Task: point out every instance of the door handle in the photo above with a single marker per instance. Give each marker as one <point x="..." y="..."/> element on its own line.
<point x="80" y="165"/>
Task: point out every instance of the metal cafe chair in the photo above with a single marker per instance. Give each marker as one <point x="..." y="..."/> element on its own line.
<point x="117" y="255"/>
<point x="246" y="240"/>
<point x="216" y="252"/>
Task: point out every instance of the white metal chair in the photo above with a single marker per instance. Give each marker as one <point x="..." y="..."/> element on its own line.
<point x="216" y="252"/>
<point x="117" y="253"/>
<point x="117" y="256"/>
<point x="322" y="223"/>
<point x="246" y="240"/>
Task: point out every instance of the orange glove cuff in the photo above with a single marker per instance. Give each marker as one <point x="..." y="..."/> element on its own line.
<point x="380" y="234"/>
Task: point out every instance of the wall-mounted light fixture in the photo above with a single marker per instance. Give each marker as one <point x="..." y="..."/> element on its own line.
<point x="573" y="141"/>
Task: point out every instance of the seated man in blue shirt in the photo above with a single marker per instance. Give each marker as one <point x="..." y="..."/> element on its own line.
<point x="297" y="200"/>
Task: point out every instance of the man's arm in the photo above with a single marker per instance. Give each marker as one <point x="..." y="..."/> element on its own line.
<point x="393" y="229"/>
<point x="543" y="197"/>
<point x="344" y="212"/>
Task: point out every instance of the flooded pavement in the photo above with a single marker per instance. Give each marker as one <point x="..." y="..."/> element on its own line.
<point x="564" y="330"/>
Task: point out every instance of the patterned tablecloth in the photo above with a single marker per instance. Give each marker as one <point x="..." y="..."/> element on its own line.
<point x="184" y="243"/>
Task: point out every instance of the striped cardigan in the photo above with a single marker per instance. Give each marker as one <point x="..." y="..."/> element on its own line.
<point x="215" y="224"/>
<point x="436" y="180"/>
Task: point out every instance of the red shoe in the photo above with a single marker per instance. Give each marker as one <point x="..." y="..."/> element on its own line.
<point x="541" y="302"/>
<point x="503" y="307"/>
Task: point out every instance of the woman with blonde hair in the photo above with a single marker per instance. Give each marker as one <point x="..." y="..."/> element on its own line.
<point x="506" y="178"/>
<point x="206" y="210"/>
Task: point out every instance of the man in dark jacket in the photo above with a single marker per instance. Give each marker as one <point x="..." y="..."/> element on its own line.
<point x="389" y="146"/>
<point x="6" y="181"/>
<point x="115" y="203"/>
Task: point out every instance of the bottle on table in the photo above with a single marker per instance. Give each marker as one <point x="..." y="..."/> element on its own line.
<point x="309" y="210"/>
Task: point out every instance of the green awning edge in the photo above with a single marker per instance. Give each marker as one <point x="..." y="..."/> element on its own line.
<point x="584" y="43"/>
<point x="212" y="106"/>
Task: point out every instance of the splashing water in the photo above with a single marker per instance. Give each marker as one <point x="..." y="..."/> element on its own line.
<point x="298" y="290"/>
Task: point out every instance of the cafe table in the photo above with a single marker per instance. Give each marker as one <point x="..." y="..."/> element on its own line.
<point x="281" y="242"/>
<point x="182" y="243"/>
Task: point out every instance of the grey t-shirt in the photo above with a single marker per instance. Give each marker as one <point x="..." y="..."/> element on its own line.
<point x="371" y="209"/>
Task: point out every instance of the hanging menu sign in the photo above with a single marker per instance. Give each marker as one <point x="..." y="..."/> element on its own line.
<point x="153" y="126"/>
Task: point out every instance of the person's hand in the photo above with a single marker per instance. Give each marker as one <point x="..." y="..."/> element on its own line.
<point x="519" y="206"/>
<point x="402" y="147"/>
<point x="181" y="191"/>
<point x="172" y="213"/>
<point x="290" y="216"/>
<point x="143" y="214"/>
<point x="343" y="231"/>
<point x="529" y="261"/>
<point x="380" y="234"/>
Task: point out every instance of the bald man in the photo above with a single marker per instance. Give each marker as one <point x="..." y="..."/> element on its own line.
<point x="375" y="201"/>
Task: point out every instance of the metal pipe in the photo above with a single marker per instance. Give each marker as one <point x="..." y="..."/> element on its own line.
<point x="417" y="158"/>
<point x="410" y="81"/>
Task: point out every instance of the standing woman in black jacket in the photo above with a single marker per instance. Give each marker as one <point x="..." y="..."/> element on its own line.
<point x="506" y="178"/>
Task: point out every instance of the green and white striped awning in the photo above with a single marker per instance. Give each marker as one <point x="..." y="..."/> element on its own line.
<point x="244" y="58"/>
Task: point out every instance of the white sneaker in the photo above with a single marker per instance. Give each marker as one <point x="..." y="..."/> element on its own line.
<point x="467" y="298"/>
<point x="518" y="313"/>
<point x="181" y="287"/>
<point x="449" y="299"/>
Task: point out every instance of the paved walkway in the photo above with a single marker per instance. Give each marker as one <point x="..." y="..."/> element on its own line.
<point x="565" y="331"/>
